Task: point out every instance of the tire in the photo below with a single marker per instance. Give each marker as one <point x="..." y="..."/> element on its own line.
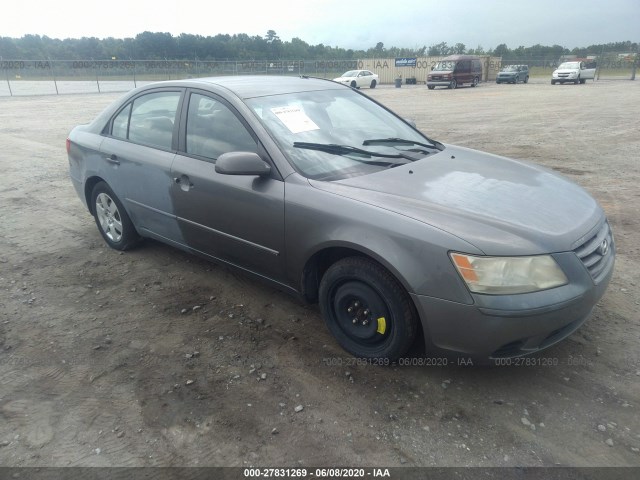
<point x="367" y="310"/>
<point x="517" y="79"/>
<point x="475" y="82"/>
<point x="353" y="84"/>
<point x="373" y="84"/>
<point x="553" y="82"/>
<point x="112" y="219"/>
<point x="526" y="79"/>
<point x="577" y="81"/>
<point x="431" y="87"/>
<point x="498" y="82"/>
<point x="583" y="80"/>
<point x="453" y="84"/>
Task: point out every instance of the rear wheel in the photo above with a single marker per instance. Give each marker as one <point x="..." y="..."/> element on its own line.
<point x="367" y="309"/>
<point x="112" y="220"/>
<point x="373" y="84"/>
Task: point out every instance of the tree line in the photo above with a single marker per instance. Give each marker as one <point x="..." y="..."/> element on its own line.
<point x="162" y="45"/>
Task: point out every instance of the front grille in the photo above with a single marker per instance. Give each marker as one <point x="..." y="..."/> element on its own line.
<point x="597" y="253"/>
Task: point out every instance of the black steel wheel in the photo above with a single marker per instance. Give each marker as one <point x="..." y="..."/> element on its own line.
<point x="367" y="310"/>
<point x="112" y="219"/>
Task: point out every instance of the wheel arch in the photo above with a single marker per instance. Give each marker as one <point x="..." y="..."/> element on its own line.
<point x="89" y="185"/>
<point x="318" y="263"/>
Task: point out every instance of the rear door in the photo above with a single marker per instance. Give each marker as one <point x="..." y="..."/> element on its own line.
<point x="139" y="149"/>
<point x="235" y="218"/>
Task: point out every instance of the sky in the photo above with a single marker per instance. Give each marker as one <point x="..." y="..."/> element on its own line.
<point x="338" y="23"/>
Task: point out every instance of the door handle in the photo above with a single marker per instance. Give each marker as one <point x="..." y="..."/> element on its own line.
<point x="112" y="159"/>
<point x="184" y="182"/>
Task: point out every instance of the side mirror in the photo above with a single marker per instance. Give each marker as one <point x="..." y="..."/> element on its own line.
<point x="242" y="163"/>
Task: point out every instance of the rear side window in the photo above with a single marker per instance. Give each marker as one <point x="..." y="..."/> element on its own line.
<point x="148" y="120"/>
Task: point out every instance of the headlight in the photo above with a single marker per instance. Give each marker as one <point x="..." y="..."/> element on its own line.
<point x="508" y="275"/>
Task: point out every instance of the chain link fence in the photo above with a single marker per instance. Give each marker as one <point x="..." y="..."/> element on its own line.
<point x="38" y="77"/>
<point x="43" y="77"/>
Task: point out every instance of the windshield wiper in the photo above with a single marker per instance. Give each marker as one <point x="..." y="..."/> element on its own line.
<point x="399" y="141"/>
<point x="336" y="149"/>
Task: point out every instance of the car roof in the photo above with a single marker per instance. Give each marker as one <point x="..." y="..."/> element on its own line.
<point x="249" y="86"/>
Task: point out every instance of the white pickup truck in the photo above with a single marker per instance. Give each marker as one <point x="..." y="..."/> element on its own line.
<point x="574" y="72"/>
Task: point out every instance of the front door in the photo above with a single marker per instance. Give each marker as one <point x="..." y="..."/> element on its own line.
<point x="235" y="218"/>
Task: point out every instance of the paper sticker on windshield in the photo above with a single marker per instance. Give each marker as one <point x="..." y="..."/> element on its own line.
<point x="294" y="119"/>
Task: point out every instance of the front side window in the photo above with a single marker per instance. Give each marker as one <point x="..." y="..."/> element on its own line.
<point x="213" y="129"/>
<point x="151" y="120"/>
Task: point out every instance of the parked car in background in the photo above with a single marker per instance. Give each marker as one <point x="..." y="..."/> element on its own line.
<point x="513" y="74"/>
<point x="573" y="72"/>
<point x="325" y="193"/>
<point x="358" y="78"/>
<point x="455" y="70"/>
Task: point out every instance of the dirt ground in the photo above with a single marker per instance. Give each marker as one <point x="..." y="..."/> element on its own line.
<point x="157" y="358"/>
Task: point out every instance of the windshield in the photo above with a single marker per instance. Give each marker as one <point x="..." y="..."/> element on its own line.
<point x="444" y="66"/>
<point x="350" y="73"/>
<point x="510" y="68"/>
<point x="323" y="133"/>
<point x="569" y="65"/>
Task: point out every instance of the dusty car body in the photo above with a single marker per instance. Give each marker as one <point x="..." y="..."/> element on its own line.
<point x="397" y="236"/>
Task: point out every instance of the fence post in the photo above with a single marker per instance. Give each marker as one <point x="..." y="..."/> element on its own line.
<point x="9" y="83"/>
<point x="53" y="72"/>
<point x="135" y="84"/>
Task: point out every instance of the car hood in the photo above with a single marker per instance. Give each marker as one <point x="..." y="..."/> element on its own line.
<point x="344" y="79"/>
<point x="507" y="73"/>
<point x="441" y="72"/>
<point x="501" y="206"/>
<point x="565" y="70"/>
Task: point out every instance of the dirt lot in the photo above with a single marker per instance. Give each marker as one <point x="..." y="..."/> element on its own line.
<point x="154" y="357"/>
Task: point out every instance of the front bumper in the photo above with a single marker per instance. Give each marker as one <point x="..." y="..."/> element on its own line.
<point x="438" y="83"/>
<point x="506" y="326"/>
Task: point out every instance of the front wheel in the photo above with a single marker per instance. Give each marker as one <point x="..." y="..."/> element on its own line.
<point x="353" y="84"/>
<point x="475" y="82"/>
<point x="112" y="220"/>
<point x="583" y="80"/>
<point x="373" y="84"/>
<point x="553" y="82"/>
<point x="526" y="79"/>
<point x="367" y="310"/>
<point x="577" y="81"/>
<point x="431" y="87"/>
<point x="453" y="84"/>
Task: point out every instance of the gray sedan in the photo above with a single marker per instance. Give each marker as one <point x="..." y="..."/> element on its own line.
<point x="329" y="195"/>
